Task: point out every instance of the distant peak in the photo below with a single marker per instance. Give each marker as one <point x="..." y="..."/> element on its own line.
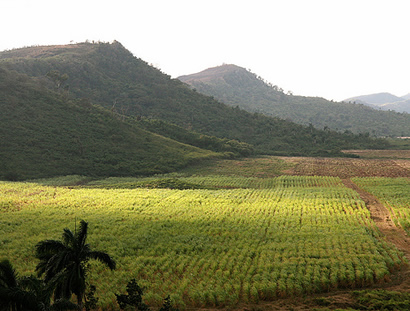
<point x="42" y="51"/>
<point x="377" y="98"/>
<point x="212" y="73"/>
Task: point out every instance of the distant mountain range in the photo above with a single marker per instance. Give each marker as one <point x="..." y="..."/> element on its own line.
<point x="236" y="86"/>
<point x="384" y="101"/>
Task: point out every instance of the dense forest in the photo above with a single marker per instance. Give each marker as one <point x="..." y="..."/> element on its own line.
<point x="44" y="134"/>
<point x="237" y="86"/>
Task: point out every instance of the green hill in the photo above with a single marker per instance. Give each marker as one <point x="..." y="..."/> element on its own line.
<point x="44" y="134"/>
<point x="107" y="74"/>
<point x="237" y="86"/>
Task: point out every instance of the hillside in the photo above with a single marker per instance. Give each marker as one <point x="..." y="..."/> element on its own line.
<point x="384" y="101"/>
<point x="43" y="134"/>
<point x="237" y="86"/>
<point x="107" y="74"/>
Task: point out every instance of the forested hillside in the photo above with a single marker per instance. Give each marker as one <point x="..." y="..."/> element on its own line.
<point x="237" y="86"/>
<point x="109" y="75"/>
<point x="42" y="134"/>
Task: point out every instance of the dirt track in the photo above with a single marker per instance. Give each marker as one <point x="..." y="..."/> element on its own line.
<point x="393" y="234"/>
<point x="346" y="168"/>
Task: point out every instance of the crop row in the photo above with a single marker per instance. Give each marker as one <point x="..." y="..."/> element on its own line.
<point x="254" y="182"/>
<point x="207" y="247"/>
<point x="227" y="182"/>
<point x="394" y="193"/>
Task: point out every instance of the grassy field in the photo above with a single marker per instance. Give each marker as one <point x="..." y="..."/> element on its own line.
<point x="235" y="239"/>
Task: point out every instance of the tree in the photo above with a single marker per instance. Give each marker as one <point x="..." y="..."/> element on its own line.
<point x="133" y="297"/>
<point x="66" y="263"/>
<point x="27" y="293"/>
<point x="57" y="78"/>
<point x="11" y="297"/>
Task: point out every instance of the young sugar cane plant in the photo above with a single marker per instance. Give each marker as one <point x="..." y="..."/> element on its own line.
<point x="65" y="263"/>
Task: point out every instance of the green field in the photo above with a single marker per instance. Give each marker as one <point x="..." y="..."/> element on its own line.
<point x="394" y="193"/>
<point x="242" y="240"/>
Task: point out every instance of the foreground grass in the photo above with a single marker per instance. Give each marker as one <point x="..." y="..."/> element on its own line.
<point x="266" y="238"/>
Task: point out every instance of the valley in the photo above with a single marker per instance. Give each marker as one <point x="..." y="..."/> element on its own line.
<point x="222" y="194"/>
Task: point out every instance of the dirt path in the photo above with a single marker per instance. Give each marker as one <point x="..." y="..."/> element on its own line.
<point x="378" y="211"/>
<point x="400" y="280"/>
<point x="393" y="234"/>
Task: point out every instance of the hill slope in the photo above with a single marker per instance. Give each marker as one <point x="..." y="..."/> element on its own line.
<point x="236" y="86"/>
<point x="385" y="101"/>
<point x="109" y="75"/>
<point x="43" y="134"/>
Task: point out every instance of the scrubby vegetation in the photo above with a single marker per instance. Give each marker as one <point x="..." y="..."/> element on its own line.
<point x="228" y="146"/>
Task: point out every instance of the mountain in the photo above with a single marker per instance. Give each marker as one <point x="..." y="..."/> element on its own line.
<point x="384" y="101"/>
<point x="237" y="86"/>
<point x="376" y="99"/>
<point x="108" y="75"/>
<point x="42" y="134"/>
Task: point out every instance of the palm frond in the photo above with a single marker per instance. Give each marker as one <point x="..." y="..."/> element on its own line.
<point x="16" y="296"/>
<point x="47" y="247"/>
<point x="103" y="258"/>
<point x="82" y="233"/>
<point x="68" y="238"/>
<point x="8" y="276"/>
<point x="31" y="283"/>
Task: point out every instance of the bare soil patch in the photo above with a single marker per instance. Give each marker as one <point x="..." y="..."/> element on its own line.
<point x="347" y="167"/>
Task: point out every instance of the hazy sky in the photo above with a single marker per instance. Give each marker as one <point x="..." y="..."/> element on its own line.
<point x="330" y="48"/>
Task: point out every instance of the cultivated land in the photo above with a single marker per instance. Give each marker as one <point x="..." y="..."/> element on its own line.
<point x="260" y="233"/>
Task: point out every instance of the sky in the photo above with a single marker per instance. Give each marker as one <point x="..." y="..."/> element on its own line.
<point x="334" y="49"/>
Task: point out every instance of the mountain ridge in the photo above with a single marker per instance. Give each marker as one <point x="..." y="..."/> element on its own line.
<point x="108" y="75"/>
<point x="237" y="86"/>
<point x="384" y="100"/>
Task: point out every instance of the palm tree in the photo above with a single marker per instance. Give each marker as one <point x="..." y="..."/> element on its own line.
<point x="26" y="293"/>
<point x="65" y="263"/>
<point x="11" y="296"/>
